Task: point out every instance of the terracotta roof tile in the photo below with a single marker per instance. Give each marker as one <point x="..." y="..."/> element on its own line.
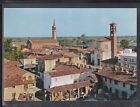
<point x="50" y="57"/>
<point x="117" y="76"/>
<point x="69" y="86"/>
<point x="38" y="44"/>
<point x="65" y="69"/>
<point x="105" y="39"/>
<point x="13" y="74"/>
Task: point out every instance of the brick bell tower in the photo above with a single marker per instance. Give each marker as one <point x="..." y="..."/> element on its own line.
<point x="54" y="31"/>
<point x="113" y="37"/>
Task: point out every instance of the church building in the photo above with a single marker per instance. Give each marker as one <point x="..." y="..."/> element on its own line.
<point x="40" y="44"/>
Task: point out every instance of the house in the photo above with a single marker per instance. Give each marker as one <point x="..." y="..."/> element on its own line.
<point x="109" y="62"/>
<point x="128" y="59"/>
<point x="69" y="92"/>
<point x="19" y="84"/>
<point x="122" y="84"/>
<point x="65" y="73"/>
<point x="68" y="79"/>
<point x="29" y="62"/>
<point x="47" y="63"/>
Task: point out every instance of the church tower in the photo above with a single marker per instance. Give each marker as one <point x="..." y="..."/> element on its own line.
<point x="113" y="36"/>
<point x="54" y="31"/>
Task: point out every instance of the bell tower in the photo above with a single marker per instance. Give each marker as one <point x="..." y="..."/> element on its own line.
<point x="54" y="31"/>
<point x="113" y="36"/>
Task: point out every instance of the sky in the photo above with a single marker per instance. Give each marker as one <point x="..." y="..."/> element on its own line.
<point x="37" y="22"/>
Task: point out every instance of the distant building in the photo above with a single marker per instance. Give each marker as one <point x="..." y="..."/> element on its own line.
<point x="128" y="59"/>
<point x="40" y="44"/>
<point x="19" y="84"/>
<point x="54" y="33"/>
<point x="121" y="84"/>
<point x="106" y="48"/>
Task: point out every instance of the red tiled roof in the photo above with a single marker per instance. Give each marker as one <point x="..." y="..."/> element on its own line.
<point x="69" y="86"/>
<point x="65" y="69"/>
<point x="32" y="56"/>
<point x="105" y="39"/>
<point x="50" y="57"/>
<point x="13" y="74"/>
<point x="39" y="51"/>
<point x="67" y="54"/>
<point x="38" y="44"/>
<point x="120" y="77"/>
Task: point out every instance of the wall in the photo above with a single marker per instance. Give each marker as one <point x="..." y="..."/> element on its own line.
<point x="49" y="65"/>
<point x="106" y="55"/>
<point x="18" y="89"/>
<point x="9" y="90"/>
<point x="28" y="61"/>
<point x="47" y="80"/>
<point x="119" y="87"/>
<point x="106" y="46"/>
<point x="129" y="58"/>
<point x="63" y="80"/>
<point x="64" y="59"/>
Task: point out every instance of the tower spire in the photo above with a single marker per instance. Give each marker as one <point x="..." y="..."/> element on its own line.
<point x="54" y="31"/>
<point x="54" y="22"/>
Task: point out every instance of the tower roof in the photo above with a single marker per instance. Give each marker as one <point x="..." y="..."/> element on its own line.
<point x="113" y="23"/>
<point x="54" y="22"/>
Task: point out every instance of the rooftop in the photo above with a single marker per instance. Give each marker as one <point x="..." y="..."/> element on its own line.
<point x="67" y="69"/>
<point x="13" y="74"/>
<point x="127" y="78"/>
<point x="70" y="86"/>
<point x="110" y="61"/>
<point x="105" y="39"/>
<point x="128" y="52"/>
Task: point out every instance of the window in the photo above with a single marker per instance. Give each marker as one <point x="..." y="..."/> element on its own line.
<point x="116" y="91"/>
<point x="105" y="79"/>
<point x="110" y="90"/>
<point x="110" y="80"/>
<point x="132" y="60"/>
<point x="116" y="82"/>
<point x="125" y="59"/>
<point x="132" y="87"/>
<point x="30" y="77"/>
<point x="123" y="84"/>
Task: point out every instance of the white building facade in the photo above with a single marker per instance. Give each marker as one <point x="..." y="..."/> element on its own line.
<point x="122" y="89"/>
<point x="128" y="58"/>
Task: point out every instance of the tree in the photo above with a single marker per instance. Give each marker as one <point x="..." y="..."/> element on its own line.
<point x="11" y="52"/>
<point x="8" y="44"/>
<point x="83" y="36"/>
<point x="124" y="43"/>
